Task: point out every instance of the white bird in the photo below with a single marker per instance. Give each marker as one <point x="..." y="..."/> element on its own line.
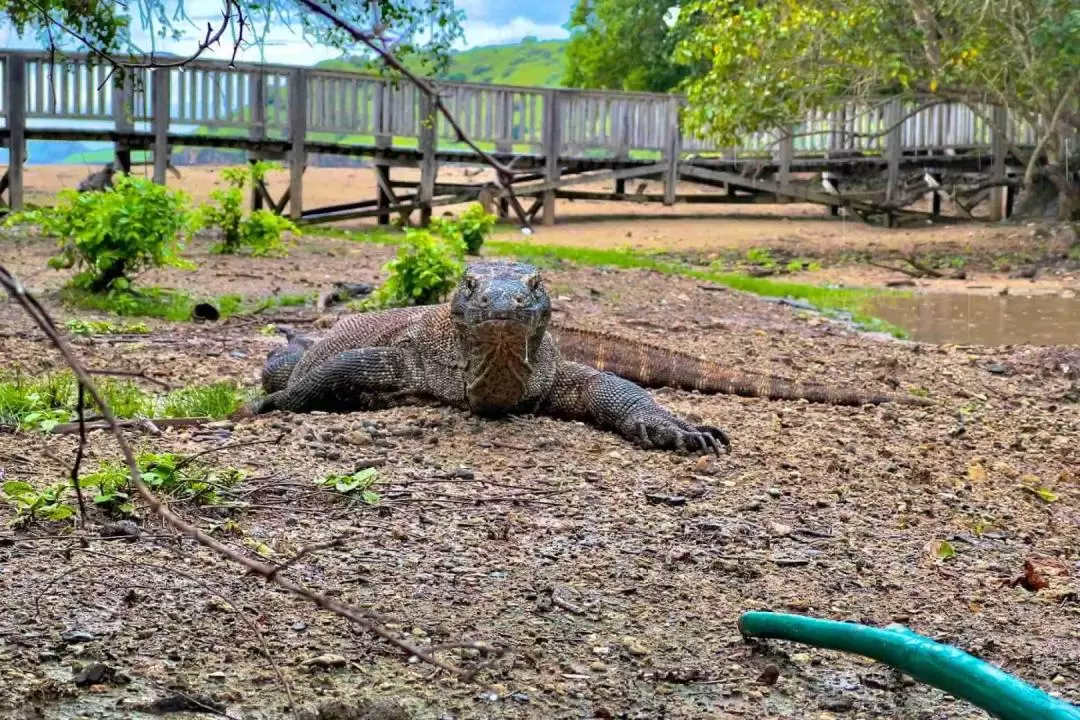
<point x="931" y="180"/>
<point x="828" y="182"/>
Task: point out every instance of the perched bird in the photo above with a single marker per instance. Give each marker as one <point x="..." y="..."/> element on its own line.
<point x="931" y="179"/>
<point x="830" y="183"/>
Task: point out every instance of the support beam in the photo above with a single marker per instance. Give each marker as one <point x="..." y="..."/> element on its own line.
<point x="552" y="144"/>
<point x="298" y="132"/>
<point x="407" y="207"/>
<point x="893" y="148"/>
<point x="257" y="132"/>
<point x="429" y="168"/>
<point x="383" y="190"/>
<point x="785" y="154"/>
<point x="160" y="122"/>
<point x="999" y="150"/>
<point x="690" y="199"/>
<point x="588" y="177"/>
<point x="123" y="94"/>
<point x="672" y="151"/>
<point x="15" y="104"/>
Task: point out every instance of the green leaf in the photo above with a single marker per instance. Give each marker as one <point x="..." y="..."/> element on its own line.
<point x="17" y="488"/>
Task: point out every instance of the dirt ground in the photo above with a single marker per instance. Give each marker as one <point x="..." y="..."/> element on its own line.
<point x="609" y="578"/>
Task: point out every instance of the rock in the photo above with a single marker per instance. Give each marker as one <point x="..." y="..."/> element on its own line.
<point x="359" y="438"/>
<point x="779" y="529"/>
<point x="93" y="674"/>
<point x="634" y="646"/>
<point x="329" y="660"/>
<point x="836" y="703"/>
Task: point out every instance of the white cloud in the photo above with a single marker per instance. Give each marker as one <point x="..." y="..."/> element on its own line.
<point x="484" y="33"/>
<point x="288" y="47"/>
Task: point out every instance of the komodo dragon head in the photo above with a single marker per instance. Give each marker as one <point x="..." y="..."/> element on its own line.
<point x="500" y="312"/>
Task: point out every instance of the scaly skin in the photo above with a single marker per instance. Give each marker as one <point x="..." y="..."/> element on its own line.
<point x="487" y="351"/>
<point x="654" y="366"/>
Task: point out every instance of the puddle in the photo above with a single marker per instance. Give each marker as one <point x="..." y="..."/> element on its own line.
<point x="984" y="319"/>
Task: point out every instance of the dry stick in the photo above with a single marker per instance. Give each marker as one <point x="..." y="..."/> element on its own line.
<point x="79" y="453"/>
<point x="231" y="446"/>
<point x="366" y="619"/>
<point x="73" y="427"/>
<point x="132" y="374"/>
<point x="504" y="172"/>
<point x="235" y="606"/>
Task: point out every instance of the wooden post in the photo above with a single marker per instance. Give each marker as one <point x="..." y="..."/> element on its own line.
<point x="552" y="145"/>
<point x="298" y="108"/>
<point x="893" y="147"/>
<point x="382" y="178"/>
<point x="16" y="122"/>
<point x="122" y="107"/>
<point x="382" y="170"/>
<point x="1000" y="148"/>
<point x="622" y="121"/>
<point x="786" y="153"/>
<point x="673" y="148"/>
<point x="160" y="122"/>
<point x="428" y="167"/>
<point x="257" y="104"/>
<point x="504" y="123"/>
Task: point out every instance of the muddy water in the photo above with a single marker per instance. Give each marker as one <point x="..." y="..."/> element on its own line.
<point x="984" y="319"/>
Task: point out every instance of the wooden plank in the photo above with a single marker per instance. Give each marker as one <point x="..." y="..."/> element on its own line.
<point x="160" y="123"/>
<point x="15" y="105"/>
<point x="384" y="190"/>
<point x="121" y="110"/>
<point x="690" y="199"/>
<point x="429" y="168"/>
<point x="549" y="186"/>
<point x="1000" y="149"/>
<point x="893" y="147"/>
<point x="298" y="108"/>
<point x="552" y="145"/>
<point x="786" y="152"/>
<point x="256" y="116"/>
<point x="672" y="150"/>
<point x="400" y="208"/>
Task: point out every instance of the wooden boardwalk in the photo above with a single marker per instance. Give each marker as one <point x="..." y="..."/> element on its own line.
<point x="565" y="137"/>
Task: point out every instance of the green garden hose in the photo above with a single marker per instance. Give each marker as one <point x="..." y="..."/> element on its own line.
<point x="943" y="666"/>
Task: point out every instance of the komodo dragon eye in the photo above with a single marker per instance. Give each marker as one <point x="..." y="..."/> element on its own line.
<point x="533" y="283"/>
<point x="470" y="284"/>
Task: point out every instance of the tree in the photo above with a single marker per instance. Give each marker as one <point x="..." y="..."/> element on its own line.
<point x="425" y="29"/>
<point x="623" y="45"/>
<point x="771" y="60"/>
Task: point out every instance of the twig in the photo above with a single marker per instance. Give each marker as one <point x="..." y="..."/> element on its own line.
<point x="307" y="550"/>
<point x="141" y="374"/>
<point x="230" y="446"/>
<point x="79" y="452"/>
<point x="365" y="619"/>
<point x="73" y="427"/>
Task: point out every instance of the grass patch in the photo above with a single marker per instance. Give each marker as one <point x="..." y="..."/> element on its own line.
<point x="833" y="302"/>
<point x="173" y="305"/>
<point x="110" y="488"/>
<point x="103" y="327"/>
<point x="41" y="403"/>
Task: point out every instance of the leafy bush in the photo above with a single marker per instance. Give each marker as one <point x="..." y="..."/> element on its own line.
<point x="113" y="235"/>
<point x="472" y="228"/>
<point x="33" y="504"/>
<point x="425" y="270"/>
<point x="260" y="232"/>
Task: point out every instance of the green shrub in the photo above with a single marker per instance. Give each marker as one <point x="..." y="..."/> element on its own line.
<point x="260" y="232"/>
<point x="425" y="270"/>
<point x="472" y="228"/>
<point x="113" y="235"/>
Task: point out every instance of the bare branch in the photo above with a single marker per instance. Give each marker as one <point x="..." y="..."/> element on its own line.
<point x="365" y="619"/>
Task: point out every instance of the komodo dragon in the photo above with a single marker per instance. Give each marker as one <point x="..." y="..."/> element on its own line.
<point x="490" y="350"/>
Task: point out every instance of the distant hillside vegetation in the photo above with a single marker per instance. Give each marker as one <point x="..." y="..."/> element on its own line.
<point x="530" y="62"/>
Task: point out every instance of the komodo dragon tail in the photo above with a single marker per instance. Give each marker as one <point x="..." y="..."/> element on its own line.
<point x="654" y="366"/>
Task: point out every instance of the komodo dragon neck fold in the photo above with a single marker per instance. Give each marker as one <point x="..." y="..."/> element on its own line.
<point x="490" y="351"/>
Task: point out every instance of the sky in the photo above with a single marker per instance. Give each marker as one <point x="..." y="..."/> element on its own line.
<point x="487" y="22"/>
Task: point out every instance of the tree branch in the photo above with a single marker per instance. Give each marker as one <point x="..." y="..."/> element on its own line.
<point x="365" y="619"/>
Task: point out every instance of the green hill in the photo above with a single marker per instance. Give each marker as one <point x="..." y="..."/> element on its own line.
<point x="530" y="62"/>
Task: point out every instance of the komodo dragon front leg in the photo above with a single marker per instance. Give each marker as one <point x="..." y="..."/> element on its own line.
<point x="361" y="379"/>
<point x="580" y="392"/>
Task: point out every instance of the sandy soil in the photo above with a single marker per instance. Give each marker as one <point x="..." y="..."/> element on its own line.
<point x="539" y="536"/>
<point x="704" y="231"/>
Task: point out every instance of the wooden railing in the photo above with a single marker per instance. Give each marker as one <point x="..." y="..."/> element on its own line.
<point x="255" y="100"/>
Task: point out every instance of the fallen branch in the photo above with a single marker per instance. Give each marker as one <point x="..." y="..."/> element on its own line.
<point x="73" y="427"/>
<point x="365" y="619"/>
